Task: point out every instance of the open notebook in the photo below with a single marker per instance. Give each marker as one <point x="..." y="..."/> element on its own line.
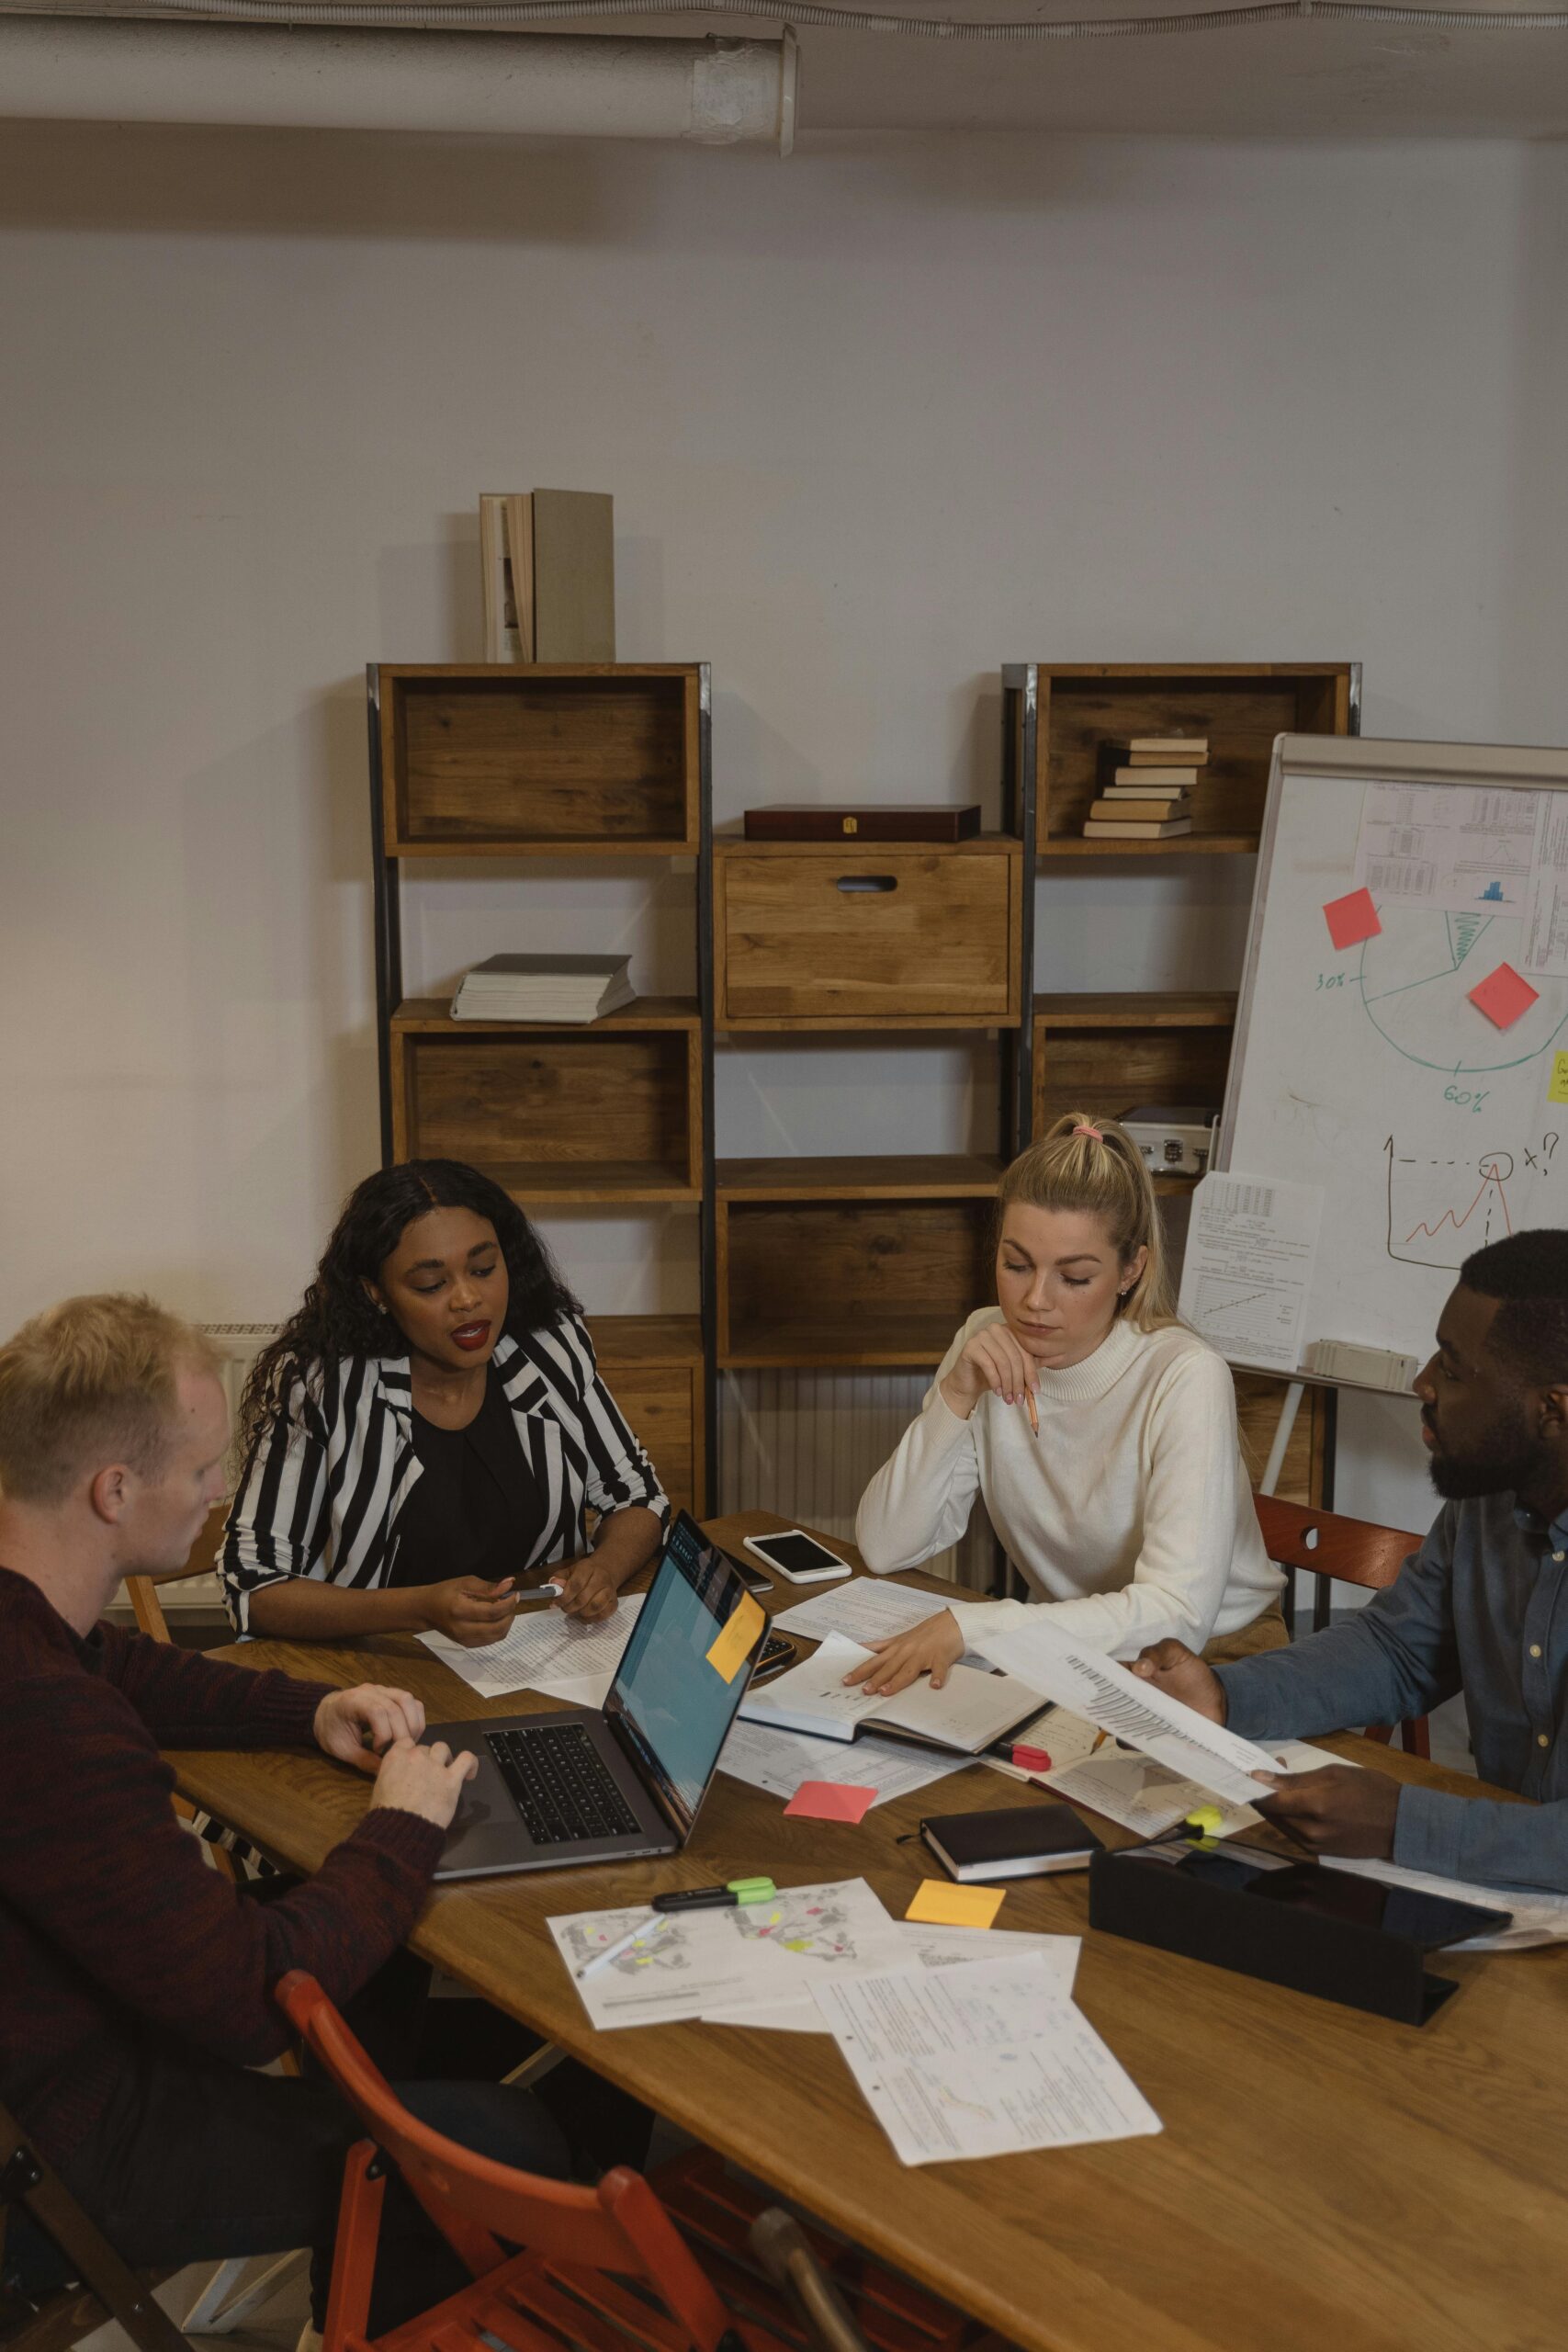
<point x="967" y="1715"/>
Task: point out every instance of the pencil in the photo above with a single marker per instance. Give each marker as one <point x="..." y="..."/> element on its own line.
<point x="1033" y="1416"/>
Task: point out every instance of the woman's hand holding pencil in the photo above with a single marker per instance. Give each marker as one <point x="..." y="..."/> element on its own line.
<point x="994" y="1363"/>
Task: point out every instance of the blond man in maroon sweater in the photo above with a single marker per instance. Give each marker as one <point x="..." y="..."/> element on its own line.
<point x="137" y="1981"/>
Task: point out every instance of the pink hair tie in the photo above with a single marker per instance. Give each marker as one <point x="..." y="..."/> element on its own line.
<point x="1083" y="1128"/>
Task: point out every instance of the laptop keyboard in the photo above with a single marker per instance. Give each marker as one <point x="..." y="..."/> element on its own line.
<point x="560" y="1784"/>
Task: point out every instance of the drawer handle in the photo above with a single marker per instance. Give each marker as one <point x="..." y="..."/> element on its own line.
<point x="867" y="882"/>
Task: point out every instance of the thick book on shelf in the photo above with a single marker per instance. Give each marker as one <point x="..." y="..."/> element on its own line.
<point x="1100" y="829"/>
<point x="1131" y="810"/>
<point x="1193" y="749"/>
<point x="566" y="989"/>
<point x="1015" y="1841"/>
<point x="967" y="1715"/>
<point x="1175" y="796"/>
<point x="815" y="823"/>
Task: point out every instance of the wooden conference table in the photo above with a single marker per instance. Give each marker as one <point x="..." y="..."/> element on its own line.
<point x="1325" y="2182"/>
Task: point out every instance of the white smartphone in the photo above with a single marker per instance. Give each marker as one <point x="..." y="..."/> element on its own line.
<point x="798" y="1556"/>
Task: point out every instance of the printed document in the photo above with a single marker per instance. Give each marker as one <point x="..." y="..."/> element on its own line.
<point x="1545" y="952"/>
<point x="1251" y="1246"/>
<point x="753" y="1956"/>
<point x="867" y="1610"/>
<point x="1457" y="849"/>
<point x="1094" y="1685"/>
<point x="925" y="1946"/>
<point x="767" y="1757"/>
<point x="542" y="1651"/>
<point x="1140" y="1794"/>
<point x="980" y="2061"/>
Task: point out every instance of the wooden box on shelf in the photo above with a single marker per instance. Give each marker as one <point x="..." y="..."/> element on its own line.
<point x="540" y="759"/>
<point x="1240" y="706"/>
<point x="849" y="1262"/>
<point x="1112" y="1052"/>
<point x="836" y="936"/>
<point x="607" y="1111"/>
<point x="652" y="1365"/>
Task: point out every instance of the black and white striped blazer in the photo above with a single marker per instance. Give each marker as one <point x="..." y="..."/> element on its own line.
<point x="324" y="1485"/>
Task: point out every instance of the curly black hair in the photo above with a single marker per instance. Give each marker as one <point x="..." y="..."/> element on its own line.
<point x="338" y="1317"/>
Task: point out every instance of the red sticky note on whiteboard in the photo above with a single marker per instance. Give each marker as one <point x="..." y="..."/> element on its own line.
<point x="1351" y="919"/>
<point x="1502" y="996"/>
<point x="830" y="1801"/>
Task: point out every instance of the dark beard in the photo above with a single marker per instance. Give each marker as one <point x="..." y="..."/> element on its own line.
<point x="1506" y="1460"/>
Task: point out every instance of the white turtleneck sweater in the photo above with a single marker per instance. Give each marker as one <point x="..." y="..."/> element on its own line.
<point x="1130" y="1515"/>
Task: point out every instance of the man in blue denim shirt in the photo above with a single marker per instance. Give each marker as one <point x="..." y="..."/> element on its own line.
<point x="1481" y="1607"/>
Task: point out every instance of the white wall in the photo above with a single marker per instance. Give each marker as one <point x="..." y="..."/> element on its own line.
<point x="875" y="421"/>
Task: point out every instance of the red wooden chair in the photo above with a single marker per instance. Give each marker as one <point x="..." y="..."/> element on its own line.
<point x="603" y="2269"/>
<point x="1350" y="1551"/>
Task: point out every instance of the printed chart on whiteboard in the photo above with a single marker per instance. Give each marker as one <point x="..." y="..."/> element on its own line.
<point x="1403" y="1036"/>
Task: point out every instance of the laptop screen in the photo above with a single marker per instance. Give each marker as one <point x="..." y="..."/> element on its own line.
<point x="669" y="1698"/>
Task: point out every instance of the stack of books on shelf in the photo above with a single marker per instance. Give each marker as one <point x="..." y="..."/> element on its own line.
<point x="562" y="989"/>
<point x="1145" y="787"/>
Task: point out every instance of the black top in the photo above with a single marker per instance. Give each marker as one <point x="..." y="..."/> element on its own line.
<point x="474" y="1510"/>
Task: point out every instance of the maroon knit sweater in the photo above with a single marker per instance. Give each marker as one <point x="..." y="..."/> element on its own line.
<point x="113" y="1932"/>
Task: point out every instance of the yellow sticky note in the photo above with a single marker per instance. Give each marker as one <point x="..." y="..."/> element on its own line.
<point x="731" y="1645"/>
<point x="1558" y="1090"/>
<point x="955" y="1907"/>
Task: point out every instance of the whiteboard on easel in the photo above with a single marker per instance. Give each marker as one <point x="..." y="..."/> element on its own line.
<point x="1409" y="1057"/>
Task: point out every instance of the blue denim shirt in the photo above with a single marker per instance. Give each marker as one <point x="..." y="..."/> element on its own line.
<point x="1479" y="1608"/>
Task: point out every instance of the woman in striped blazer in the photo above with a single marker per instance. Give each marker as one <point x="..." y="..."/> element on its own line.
<point x="430" y="1430"/>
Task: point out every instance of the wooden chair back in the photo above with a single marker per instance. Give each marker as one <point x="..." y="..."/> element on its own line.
<point x="143" y="1591"/>
<point x="101" y="2288"/>
<point x="1349" y="1551"/>
<point x="619" y="2228"/>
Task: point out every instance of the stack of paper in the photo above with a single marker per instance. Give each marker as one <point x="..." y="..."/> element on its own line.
<point x="544" y="1651"/>
<point x="765" y="1755"/>
<point x="867" y="1610"/>
<point x="560" y="989"/>
<point x="983" y="2059"/>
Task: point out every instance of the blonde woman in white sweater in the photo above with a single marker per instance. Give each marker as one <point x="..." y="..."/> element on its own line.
<point x="1127" y="1510"/>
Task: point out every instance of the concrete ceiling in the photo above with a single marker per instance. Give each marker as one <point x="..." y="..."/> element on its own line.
<point x="1307" y="79"/>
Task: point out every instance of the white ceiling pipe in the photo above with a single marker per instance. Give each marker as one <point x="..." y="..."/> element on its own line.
<point x="716" y="93"/>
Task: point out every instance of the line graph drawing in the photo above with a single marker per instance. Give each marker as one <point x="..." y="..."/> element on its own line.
<point x="1441" y="1209"/>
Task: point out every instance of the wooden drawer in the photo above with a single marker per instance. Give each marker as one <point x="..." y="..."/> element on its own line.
<point x="836" y="936"/>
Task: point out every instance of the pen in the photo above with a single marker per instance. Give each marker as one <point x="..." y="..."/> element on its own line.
<point x="712" y="1898"/>
<point x="621" y="1944"/>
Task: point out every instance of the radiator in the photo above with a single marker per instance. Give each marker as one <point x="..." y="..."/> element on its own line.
<point x="238" y="1346"/>
<point x="806" y="1444"/>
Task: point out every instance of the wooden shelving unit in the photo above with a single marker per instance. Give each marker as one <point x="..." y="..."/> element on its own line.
<point x="541" y="759"/>
<point x="610" y="1113"/>
<point x="1239" y="705"/>
<point x="853" y="1262"/>
<point x="1109" y="1051"/>
<point x="586" y="762"/>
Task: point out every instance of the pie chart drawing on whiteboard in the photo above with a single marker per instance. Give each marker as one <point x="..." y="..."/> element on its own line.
<point x="1415" y="982"/>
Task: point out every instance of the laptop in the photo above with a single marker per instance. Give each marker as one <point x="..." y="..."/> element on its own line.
<point x="579" y="1786"/>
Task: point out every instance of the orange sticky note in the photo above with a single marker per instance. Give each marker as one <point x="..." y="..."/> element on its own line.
<point x="1502" y="996"/>
<point x="942" y="1906"/>
<point x="1351" y="919"/>
<point x="731" y="1645"/>
<point x="830" y="1801"/>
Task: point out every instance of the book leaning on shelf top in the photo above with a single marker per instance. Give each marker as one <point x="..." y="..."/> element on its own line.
<point x="967" y="1715"/>
<point x="568" y="990"/>
<point x="1192" y="748"/>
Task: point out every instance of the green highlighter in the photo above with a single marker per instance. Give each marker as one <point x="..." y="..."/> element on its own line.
<point x="713" y="1898"/>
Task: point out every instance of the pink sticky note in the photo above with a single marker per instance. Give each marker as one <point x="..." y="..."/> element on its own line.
<point x="1351" y="919"/>
<point x="1502" y="996"/>
<point x="830" y="1801"/>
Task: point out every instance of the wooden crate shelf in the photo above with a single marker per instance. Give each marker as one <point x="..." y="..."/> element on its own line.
<point x="653" y="1366"/>
<point x="1109" y="1052"/>
<point x="534" y="758"/>
<point x="854" y="1262"/>
<point x="1241" y="707"/>
<point x="845" y="935"/>
<point x="607" y="1112"/>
